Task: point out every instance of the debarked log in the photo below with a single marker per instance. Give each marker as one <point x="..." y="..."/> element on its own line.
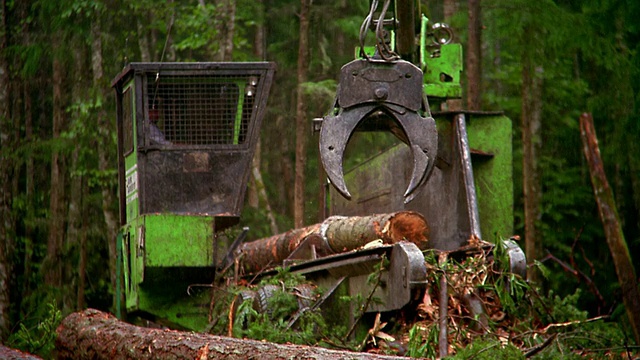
<point x="337" y="234"/>
<point x="92" y="334"/>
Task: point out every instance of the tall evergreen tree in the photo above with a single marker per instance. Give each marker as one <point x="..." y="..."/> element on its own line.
<point x="6" y="226"/>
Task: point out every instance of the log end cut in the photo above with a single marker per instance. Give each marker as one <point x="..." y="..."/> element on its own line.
<point x="410" y="226"/>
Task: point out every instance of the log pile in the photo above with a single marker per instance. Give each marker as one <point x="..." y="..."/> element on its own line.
<point x="336" y="234"/>
<point x="92" y="334"/>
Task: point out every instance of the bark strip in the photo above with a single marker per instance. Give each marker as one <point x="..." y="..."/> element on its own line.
<point x="611" y="223"/>
<point x="338" y="234"/>
<point x="92" y="334"/>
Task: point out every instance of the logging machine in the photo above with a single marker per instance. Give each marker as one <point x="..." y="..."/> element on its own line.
<point x="186" y="137"/>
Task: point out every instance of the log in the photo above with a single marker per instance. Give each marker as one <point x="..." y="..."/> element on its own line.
<point x="337" y="234"/>
<point x="13" y="354"/>
<point x="611" y="223"/>
<point x="92" y="334"/>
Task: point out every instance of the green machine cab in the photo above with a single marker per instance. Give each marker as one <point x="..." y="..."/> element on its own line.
<point x="186" y="137"/>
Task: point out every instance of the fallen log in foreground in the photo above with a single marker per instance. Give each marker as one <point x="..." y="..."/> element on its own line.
<point x="337" y="234"/>
<point x="14" y="354"/>
<point x="92" y="334"/>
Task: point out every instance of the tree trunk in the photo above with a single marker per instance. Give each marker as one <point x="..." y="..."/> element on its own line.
<point x="6" y="227"/>
<point x="474" y="57"/>
<point x="143" y="41"/>
<point x="13" y="354"/>
<point x="74" y="206"/>
<point x="82" y="258"/>
<point x="105" y="147"/>
<point x="531" y="123"/>
<point x="30" y="167"/>
<point x="335" y="235"/>
<point x="261" y="190"/>
<point x="92" y="334"/>
<point x="611" y="222"/>
<point x="301" y="116"/>
<point x="169" y="50"/>
<point x="258" y="194"/>
<point x="259" y="51"/>
<point x="450" y="7"/>
<point x="227" y="28"/>
<point x="29" y="230"/>
<point x="53" y="260"/>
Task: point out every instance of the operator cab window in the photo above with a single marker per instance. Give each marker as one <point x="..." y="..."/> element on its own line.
<point x="198" y="110"/>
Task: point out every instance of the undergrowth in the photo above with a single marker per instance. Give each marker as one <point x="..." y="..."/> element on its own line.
<point x="515" y="321"/>
<point x="40" y="338"/>
<point x="518" y="321"/>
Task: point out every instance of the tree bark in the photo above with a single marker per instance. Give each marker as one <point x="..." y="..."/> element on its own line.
<point x="30" y="167"/>
<point x="92" y="334"/>
<point x="5" y="197"/>
<point x="143" y="41"/>
<point x="474" y="57"/>
<point x="29" y="230"/>
<point x="450" y="7"/>
<point x="611" y="222"/>
<point x="531" y="124"/>
<point x="261" y="191"/>
<point x="13" y="354"/>
<point x="301" y="116"/>
<point x="74" y="205"/>
<point x="82" y="259"/>
<point x="53" y="259"/>
<point x="105" y="146"/>
<point x="258" y="50"/>
<point x="227" y="28"/>
<point x="335" y="235"/>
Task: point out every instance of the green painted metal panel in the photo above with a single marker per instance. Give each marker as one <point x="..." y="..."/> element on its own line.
<point x="132" y="188"/>
<point x="442" y="73"/>
<point x="132" y="260"/>
<point x="178" y="240"/>
<point x="131" y="162"/>
<point x="493" y="175"/>
<point x="169" y="300"/>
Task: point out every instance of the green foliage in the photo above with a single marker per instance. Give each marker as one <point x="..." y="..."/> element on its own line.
<point x="489" y="349"/>
<point x="565" y="308"/>
<point x="509" y="287"/>
<point x="265" y="311"/>
<point x="40" y="339"/>
<point x="420" y="346"/>
<point x="196" y="23"/>
<point x="284" y="277"/>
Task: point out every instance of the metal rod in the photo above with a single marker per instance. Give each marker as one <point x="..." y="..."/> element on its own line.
<point x="443" y="341"/>
<point x="467" y="173"/>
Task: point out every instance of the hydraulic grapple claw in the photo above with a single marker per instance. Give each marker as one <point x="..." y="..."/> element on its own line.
<point x="393" y="89"/>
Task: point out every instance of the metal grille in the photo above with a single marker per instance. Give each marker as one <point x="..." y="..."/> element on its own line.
<point x="199" y="110"/>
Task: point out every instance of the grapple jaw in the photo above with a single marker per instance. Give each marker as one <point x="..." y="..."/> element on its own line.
<point x="393" y="89"/>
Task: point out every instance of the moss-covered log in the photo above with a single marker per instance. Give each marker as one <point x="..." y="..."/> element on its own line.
<point x="92" y="334"/>
<point x="337" y="234"/>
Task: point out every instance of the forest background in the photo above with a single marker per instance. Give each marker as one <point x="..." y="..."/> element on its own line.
<point x="58" y="206"/>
